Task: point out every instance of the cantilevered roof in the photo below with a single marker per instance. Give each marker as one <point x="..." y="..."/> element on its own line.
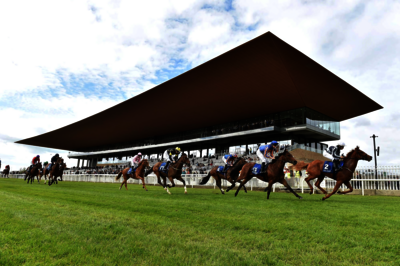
<point x="252" y="79"/>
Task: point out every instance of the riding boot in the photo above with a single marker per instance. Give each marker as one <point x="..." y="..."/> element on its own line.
<point x="262" y="168"/>
<point x="166" y="166"/>
<point x="226" y="166"/>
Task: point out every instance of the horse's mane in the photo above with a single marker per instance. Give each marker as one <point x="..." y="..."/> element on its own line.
<point x="277" y="156"/>
<point x="235" y="166"/>
<point x="141" y="162"/>
<point x="353" y="150"/>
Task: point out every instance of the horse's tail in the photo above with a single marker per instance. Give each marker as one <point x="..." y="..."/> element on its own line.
<point x="118" y="176"/>
<point x="205" y="179"/>
<point x="300" y="166"/>
<point x="148" y="171"/>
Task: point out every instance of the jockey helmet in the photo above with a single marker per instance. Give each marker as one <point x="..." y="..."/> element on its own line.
<point x="178" y="149"/>
<point x="57" y="155"/>
<point x="37" y="156"/>
<point x="140" y="154"/>
<point x="274" y="142"/>
<point x="341" y="144"/>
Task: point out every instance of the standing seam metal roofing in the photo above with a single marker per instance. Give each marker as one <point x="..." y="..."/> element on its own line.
<point x="249" y="73"/>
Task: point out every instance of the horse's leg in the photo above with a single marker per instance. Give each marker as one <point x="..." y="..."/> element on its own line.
<point x="283" y="181"/>
<point x="166" y="186"/>
<point x="308" y="179"/>
<point x="270" y="183"/>
<point x="240" y="186"/>
<point x="346" y="191"/>
<point x="244" y="187"/>
<point x="318" y="183"/>
<point x="231" y="186"/>
<point x="126" y="181"/>
<point x="171" y="179"/>
<point x="337" y="186"/>
<point x="218" y="182"/>
<point x="184" y="183"/>
<point x="122" y="183"/>
<point x="144" y="185"/>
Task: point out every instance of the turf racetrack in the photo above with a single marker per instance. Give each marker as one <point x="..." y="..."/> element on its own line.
<point x="77" y="223"/>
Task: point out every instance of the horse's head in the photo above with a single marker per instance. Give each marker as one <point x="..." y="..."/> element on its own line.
<point x="184" y="159"/>
<point x="237" y="165"/>
<point x="287" y="157"/>
<point x="145" y="163"/>
<point x="358" y="154"/>
<point x="39" y="165"/>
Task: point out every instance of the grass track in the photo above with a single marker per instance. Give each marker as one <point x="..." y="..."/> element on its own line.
<point x="77" y="223"/>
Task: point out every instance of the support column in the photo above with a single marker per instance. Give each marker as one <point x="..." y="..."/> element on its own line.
<point x="201" y="153"/>
<point x="79" y="161"/>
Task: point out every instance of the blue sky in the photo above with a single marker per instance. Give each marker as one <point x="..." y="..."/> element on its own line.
<point x="62" y="61"/>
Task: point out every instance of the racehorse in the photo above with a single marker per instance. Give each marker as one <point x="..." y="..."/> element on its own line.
<point x="6" y="172"/>
<point x="174" y="172"/>
<point x="344" y="176"/>
<point x="273" y="174"/>
<point x="138" y="174"/>
<point x="33" y="172"/>
<point x="59" y="173"/>
<point x="43" y="173"/>
<point x="231" y="175"/>
<point x="53" y="170"/>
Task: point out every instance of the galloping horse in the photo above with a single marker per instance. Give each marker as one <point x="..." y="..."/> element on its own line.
<point x="59" y="172"/>
<point x="6" y="172"/>
<point x="344" y="176"/>
<point x="55" y="171"/>
<point x="273" y="174"/>
<point x="33" y="172"/>
<point x="138" y="174"/>
<point x="175" y="171"/>
<point x="231" y="175"/>
<point x="43" y="173"/>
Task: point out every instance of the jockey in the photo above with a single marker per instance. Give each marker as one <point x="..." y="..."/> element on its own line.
<point x="171" y="155"/>
<point x="35" y="160"/>
<point x="228" y="160"/>
<point x="335" y="153"/>
<point x="266" y="154"/>
<point x="136" y="160"/>
<point x="54" y="160"/>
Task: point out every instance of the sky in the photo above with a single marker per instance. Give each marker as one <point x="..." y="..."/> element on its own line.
<point x="62" y="61"/>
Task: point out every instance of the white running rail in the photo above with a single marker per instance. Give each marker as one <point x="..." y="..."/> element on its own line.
<point x="388" y="178"/>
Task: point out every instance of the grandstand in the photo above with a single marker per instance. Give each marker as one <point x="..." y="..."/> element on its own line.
<point x="260" y="91"/>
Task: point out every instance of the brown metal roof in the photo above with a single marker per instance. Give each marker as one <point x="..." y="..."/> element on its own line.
<point x="262" y="70"/>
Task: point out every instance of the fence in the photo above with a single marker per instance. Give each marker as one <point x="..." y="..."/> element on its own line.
<point x="388" y="178"/>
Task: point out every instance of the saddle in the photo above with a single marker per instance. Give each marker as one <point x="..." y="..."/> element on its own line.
<point x="256" y="169"/>
<point x="328" y="167"/>
<point x="220" y="169"/>
<point x="130" y="171"/>
<point x="162" y="168"/>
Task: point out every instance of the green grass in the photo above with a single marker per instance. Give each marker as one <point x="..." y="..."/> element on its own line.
<point x="76" y="223"/>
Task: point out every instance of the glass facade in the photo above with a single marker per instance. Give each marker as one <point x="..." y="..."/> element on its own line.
<point x="291" y="118"/>
<point x="321" y="121"/>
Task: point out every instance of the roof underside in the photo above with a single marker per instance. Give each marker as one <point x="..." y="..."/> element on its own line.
<point x="241" y="79"/>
